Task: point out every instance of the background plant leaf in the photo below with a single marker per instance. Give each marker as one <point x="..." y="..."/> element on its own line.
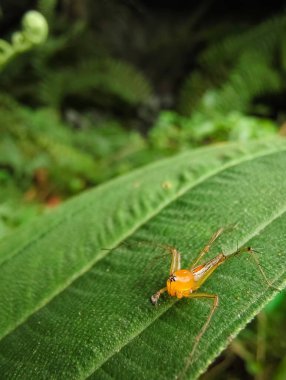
<point x="71" y="309"/>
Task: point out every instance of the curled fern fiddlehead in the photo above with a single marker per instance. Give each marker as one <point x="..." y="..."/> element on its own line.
<point x="35" y="32"/>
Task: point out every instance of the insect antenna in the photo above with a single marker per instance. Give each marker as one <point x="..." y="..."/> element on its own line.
<point x="154" y="261"/>
<point x="151" y="266"/>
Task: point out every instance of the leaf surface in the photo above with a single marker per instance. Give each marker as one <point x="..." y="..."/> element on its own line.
<point x="72" y="309"/>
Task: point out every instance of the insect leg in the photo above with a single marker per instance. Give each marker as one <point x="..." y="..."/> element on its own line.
<point x="155" y="297"/>
<point x="208" y="246"/>
<point x="176" y="260"/>
<point x="214" y="297"/>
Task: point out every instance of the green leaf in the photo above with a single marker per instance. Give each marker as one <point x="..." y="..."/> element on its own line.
<point x="71" y="309"/>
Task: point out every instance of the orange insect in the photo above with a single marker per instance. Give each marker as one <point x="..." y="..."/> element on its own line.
<point x="185" y="282"/>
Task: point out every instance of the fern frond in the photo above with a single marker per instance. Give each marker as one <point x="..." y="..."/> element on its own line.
<point x="263" y="39"/>
<point x="97" y="77"/>
<point x="236" y="70"/>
